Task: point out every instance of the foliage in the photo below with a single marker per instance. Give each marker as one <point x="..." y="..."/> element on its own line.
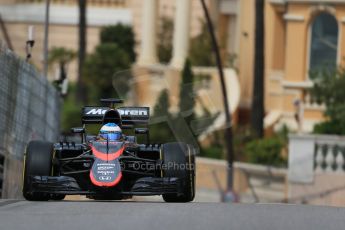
<point x="162" y="105"/>
<point x="161" y="132"/>
<point x="71" y="114"/>
<point x="100" y="67"/>
<point x="122" y="35"/>
<point x="201" y="48"/>
<point x="165" y="36"/>
<point x="115" y="53"/>
<point x="202" y="77"/>
<point x="202" y="81"/>
<point x="267" y="151"/>
<point x="187" y="101"/>
<point x="71" y="111"/>
<point x="231" y="61"/>
<point x="243" y="135"/>
<point x="203" y="121"/>
<point x="212" y="151"/>
<point x="329" y="90"/>
<point x="60" y="55"/>
<point x="329" y="127"/>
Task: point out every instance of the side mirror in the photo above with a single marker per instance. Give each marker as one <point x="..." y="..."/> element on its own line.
<point x="141" y="131"/>
<point x="78" y="130"/>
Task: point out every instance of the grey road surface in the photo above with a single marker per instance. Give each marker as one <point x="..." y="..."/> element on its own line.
<point x="93" y="215"/>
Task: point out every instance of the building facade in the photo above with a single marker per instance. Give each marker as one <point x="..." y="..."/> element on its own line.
<point x="301" y="36"/>
<point x="144" y="16"/>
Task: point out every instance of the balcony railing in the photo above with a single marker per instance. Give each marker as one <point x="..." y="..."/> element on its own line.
<point x="304" y="87"/>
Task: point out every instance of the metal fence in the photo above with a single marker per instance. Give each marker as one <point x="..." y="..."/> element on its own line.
<point x="29" y="110"/>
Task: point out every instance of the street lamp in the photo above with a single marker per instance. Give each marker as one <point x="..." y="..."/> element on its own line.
<point x="30" y="42"/>
<point x="229" y="195"/>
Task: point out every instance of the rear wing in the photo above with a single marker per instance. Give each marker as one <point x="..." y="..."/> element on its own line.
<point x="129" y="115"/>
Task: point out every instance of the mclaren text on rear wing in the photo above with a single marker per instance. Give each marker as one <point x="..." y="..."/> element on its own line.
<point x="129" y="115"/>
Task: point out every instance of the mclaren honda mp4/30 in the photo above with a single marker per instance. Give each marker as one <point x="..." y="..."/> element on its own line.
<point x="110" y="170"/>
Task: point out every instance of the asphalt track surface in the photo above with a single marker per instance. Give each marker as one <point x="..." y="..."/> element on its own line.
<point x="96" y="215"/>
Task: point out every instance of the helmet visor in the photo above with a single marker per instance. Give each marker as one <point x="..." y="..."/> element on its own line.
<point x="111" y="136"/>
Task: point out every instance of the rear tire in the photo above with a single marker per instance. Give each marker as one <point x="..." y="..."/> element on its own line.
<point x="37" y="162"/>
<point x="182" y="155"/>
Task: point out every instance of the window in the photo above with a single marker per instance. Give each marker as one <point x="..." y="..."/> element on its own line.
<point x="324" y="43"/>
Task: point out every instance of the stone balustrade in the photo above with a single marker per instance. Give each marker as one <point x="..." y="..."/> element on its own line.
<point x="329" y="155"/>
<point x="315" y="154"/>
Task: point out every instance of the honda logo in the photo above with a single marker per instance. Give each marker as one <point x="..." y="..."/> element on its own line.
<point x="107" y="178"/>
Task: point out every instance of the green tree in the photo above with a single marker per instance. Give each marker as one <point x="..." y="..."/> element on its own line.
<point x="100" y="68"/>
<point x="62" y="57"/>
<point x="265" y="151"/>
<point x="71" y="110"/>
<point x="161" y="132"/>
<point x="270" y="150"/>
<point x="201" y="48"/>
<point x="162" y="105"/>
<point x="186" y="100"/>
<point x="122" y="35"/>
<point x="165" y="36"/>
<point x="329" y="90"/>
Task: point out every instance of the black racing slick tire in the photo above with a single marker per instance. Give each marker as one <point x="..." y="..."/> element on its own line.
<point x="179" y="160"/>
<point x="37" y="162"/>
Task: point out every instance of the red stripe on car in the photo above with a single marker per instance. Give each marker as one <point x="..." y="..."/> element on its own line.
<point x="105" y="184"/>
<point x="107" y="157"/>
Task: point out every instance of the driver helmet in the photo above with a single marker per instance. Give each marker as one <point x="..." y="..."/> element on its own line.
<point x="111" y="132"/>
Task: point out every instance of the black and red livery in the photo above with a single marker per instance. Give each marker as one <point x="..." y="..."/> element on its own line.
<point x="110" y="170"/>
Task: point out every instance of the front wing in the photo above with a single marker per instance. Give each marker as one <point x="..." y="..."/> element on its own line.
<point x="145" y="186"/>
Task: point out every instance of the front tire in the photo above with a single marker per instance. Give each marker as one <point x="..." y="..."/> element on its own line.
<point x="183" y="156"/>
<point x="37" y="162"/>
<point x="57" y="197"/>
